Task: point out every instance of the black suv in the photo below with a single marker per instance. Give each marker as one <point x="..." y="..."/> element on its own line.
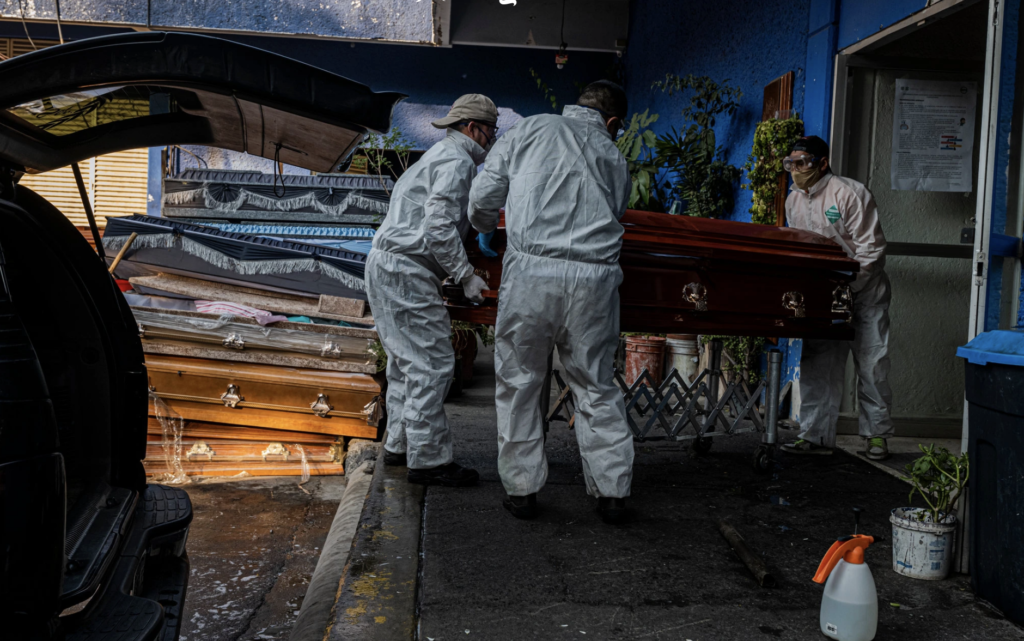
<point x="88" y="549"/>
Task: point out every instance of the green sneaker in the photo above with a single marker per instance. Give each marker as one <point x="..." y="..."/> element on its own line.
<point x="878" y="450"/>
<point x="801" y="446"/>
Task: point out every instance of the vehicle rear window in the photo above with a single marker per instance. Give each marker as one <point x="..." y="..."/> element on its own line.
<point x="70" y="113"/>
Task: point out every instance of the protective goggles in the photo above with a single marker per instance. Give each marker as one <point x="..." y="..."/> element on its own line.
<point x="799" y="164"/>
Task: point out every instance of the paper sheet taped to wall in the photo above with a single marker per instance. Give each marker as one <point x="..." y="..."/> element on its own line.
<point x="933" y="135"/>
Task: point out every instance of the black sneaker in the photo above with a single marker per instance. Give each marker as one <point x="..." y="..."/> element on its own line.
<point x="394" y="459"/>
<point x="800" y="446"/>
<point x="451" y="475"/>
<point x="612" y="510"/>
<point x="521" y="507"/>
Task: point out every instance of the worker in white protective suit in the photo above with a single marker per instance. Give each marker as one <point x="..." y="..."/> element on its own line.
<point x="843" y="210"/>
<point x="418" y="245"/>
<point x="564" y="186"/>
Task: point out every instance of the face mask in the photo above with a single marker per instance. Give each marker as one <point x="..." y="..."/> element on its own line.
<point x="479" y="154"/>
<point x="490" y="141"/>
<point x="805" y="180"/>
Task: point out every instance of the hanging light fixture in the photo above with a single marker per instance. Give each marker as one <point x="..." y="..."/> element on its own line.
<point x="561" y="58"/>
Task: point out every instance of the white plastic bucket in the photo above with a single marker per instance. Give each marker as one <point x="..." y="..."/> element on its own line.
<point x="921" y="549"/>
<point x="681" y="353"/>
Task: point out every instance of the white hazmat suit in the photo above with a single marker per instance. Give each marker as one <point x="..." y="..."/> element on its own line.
<point x="844" y="210"/>
<point x="419" y="243"/>
<point x="564" y="186"/>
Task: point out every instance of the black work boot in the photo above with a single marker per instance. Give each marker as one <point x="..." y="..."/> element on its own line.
<point x="521" y="507"/>
<point x="451" y="475"/>
<point x="394" y="459"/>
<point x="612" y="510"/>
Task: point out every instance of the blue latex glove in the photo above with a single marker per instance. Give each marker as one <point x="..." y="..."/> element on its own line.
<point x="484" y="240"/>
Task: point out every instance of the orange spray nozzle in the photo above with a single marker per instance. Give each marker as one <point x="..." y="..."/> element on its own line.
<point x="849" y="548"/>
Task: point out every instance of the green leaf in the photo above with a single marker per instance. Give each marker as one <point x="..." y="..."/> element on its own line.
<point x="637" y="147"/>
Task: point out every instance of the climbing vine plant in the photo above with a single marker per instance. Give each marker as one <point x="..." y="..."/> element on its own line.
<point x="772" y="141"/>
<point x="637" y="145"/>
<point x="549" y="93"/>
<point x="699" y="175"/>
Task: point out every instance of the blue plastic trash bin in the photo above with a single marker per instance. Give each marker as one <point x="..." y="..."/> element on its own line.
<point x="994" y="386"/>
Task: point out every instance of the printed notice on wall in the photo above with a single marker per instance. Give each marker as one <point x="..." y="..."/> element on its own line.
<point x="933" y="135"/>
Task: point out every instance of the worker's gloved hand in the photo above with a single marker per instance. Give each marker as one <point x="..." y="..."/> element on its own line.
<point x="484" y="240"/>
<point x="474" y="286"/>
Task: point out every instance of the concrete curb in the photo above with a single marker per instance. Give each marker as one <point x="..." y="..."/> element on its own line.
<point x="377" y="596"/>
<point x="315" y="616"/>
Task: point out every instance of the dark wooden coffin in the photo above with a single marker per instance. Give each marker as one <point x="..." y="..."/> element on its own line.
<point x="699" y="276"/>
<point x="278" y="398"/>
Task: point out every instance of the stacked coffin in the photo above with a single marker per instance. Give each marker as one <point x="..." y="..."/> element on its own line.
<point x="253" y="317"/>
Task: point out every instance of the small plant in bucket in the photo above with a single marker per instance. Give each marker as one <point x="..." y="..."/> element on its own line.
<point x="939" y="478"/>
<point x="922" y="538"/>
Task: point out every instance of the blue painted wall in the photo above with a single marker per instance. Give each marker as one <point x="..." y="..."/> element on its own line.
<point x="1003" y="151"/>
<point x="756" y="43"/>
<point x="821" y="50"/>
<point x="859" y="19"/>
<point x="1001" y="195"/>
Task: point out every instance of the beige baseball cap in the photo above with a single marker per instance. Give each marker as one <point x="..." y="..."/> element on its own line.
<point x="472" y="106"/>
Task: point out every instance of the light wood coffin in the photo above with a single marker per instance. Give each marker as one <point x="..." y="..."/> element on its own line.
<point x="155" y="467"/>
<point x="196" y="430"/>
<point x="279" y="398"/>
<point x="700" y="276"/>
<point x="298" y="345"/>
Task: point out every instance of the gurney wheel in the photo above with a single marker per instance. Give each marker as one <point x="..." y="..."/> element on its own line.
<point x="764" y="459"/>
<point x="702" y="445"/>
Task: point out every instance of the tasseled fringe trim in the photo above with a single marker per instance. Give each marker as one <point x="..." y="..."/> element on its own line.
<point x="247" y="267"/>
<point x="246" y="197"/>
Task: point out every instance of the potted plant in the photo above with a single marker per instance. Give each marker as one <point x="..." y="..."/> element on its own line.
<point x="922" y="538"/>
<point x="463" y="339"/>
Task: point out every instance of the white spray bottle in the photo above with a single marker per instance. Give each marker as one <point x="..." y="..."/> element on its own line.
<point x="849" y="607"/>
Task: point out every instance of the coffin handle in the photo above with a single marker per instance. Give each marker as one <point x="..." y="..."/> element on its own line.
<point x="795" y="302"/>
<point x="331" y="349"/>
<point x="231" y="397"/>
<point x="698" y="295"/>
<point x="200" y="448"/>
<point x="275" y="449"/>
<point x="842" y="301"/>
<point x="321" y="406"/>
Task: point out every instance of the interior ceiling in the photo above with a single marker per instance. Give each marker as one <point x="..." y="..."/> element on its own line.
<point x="959" y="36"/>
<point x="590" y="25"/>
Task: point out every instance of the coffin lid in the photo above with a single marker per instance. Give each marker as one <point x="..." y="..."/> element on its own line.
<point x="70" y="102"/>
<point x="733" y="241"/>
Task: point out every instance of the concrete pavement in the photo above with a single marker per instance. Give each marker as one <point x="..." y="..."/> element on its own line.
<point x="666" y="575"/>
<point x="669" y="574"/>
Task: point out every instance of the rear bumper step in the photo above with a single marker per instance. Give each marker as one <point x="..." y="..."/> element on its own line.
<point x="145" y="593"/>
